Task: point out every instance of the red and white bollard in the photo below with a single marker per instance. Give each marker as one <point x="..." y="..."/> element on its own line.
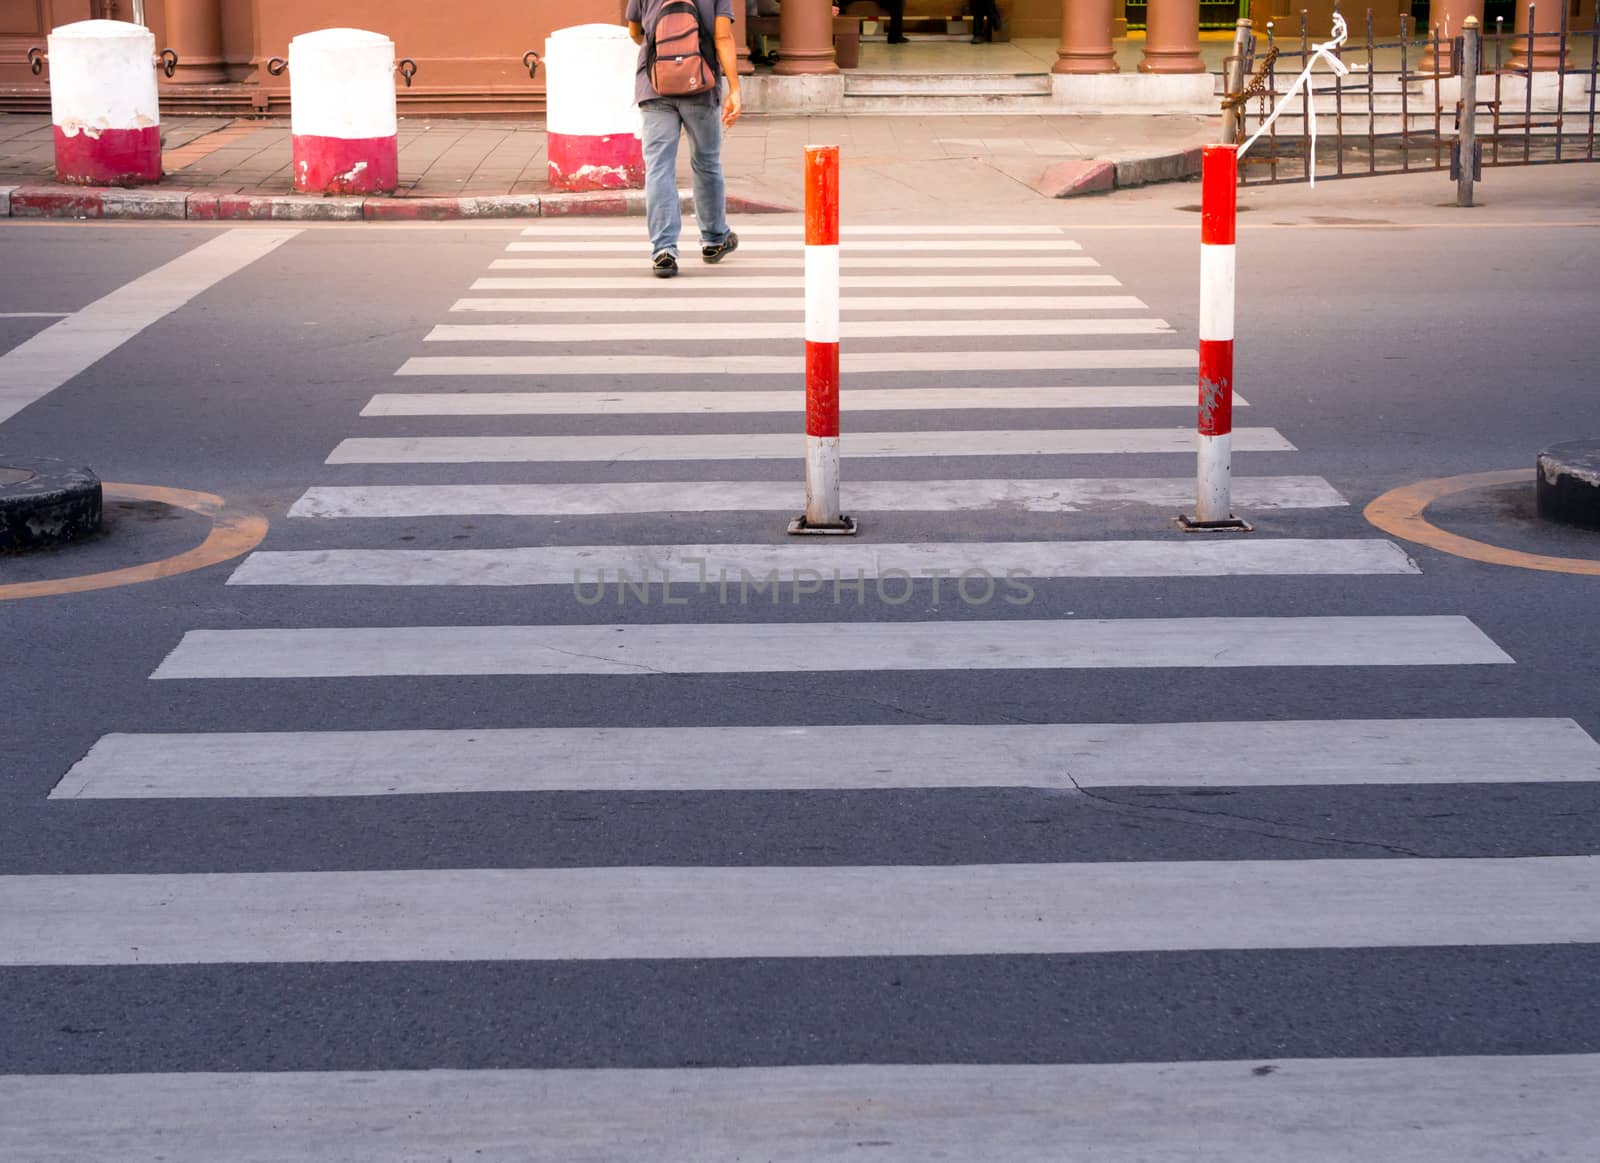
<point x="593" y="128"/>
<point x="1219" y="177"/>
<point x="103" y="104"/>
<point x="343" y="112"/>
<point x="822" y="346"/>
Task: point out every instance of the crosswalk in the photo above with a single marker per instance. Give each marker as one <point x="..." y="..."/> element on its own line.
<point x="669" y="659"/>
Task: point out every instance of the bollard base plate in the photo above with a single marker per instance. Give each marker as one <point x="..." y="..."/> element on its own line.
<point x="846" y="527"/>
<point x="1231" y="525"/>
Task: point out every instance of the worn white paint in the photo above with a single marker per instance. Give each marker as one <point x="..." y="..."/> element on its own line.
<point x="554" y="914"/>
<point x="798" y="562"/>
<point x="822" y="326"/>
<point x="754" y="305"/>
<point x="822" y="484"/>
<point x="778" y="445"/>
<point x="1060" y="756"/>
<point x="792" y="648"/>
<point x="1214" y="478"/>
<point x="342" y="85"/>
<point x="102" y="76"/>
<point x="723" y="402"/>
<point x="927" y="496"/>
<point x="1420" y="1110"/>
<point x="851" y="362"/>
<point x="685" y="284"/>
<point x="44" y="362"/>
<point x="589" y="74"/>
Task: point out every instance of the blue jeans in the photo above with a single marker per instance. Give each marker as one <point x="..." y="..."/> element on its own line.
<point x="702" y="119"/>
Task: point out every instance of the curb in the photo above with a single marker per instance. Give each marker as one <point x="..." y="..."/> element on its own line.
<point x="54" y="503"/>
<point x="77" y="202"/>
<point x="1070" y="179"/>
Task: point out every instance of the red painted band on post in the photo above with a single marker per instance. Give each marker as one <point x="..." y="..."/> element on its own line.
<point x="580" y="162"/>
<point x="1216" y="387"/>
<point x="339" y="165"/>
<point x="822" y="195"/>
<point x="111" y="157"/>
<point x="1219" y="194"/>
<point x="822" y="389"/>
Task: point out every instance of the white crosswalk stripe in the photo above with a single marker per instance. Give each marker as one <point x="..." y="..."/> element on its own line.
<point x="918" y="496"/>
<point x="780" y="446"/>
<point x="762" y="647"/>
<point x="851" y="363"/>
<point x="866" y="329"/>
<point x="679" y="609"/>
<point x="688" y="277"/>
<point x="667" y="401"/>
<point x="795" y="305"/>
<point x="1337" y="752"/>
<point x="596" y="914"/>
<point x="850" y="261"/>
<point x="1422" y="1110"/>
<point x="1005" y="249"/>
<point x="659" y="565"/>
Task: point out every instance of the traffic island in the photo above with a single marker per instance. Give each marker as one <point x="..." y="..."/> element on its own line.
<point x="45" y="502"/>
<point x="1568" y="484"/>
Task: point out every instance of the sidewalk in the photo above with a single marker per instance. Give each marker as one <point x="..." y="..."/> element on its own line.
<point x="221" y="168"/>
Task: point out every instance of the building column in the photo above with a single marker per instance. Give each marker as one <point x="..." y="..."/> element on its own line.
<point x="194" y="32"/>
<point x="741" y="40"/>
<point x="1546" y="17"/>
<point x="1172" y="37"/>
<point x="1086" y="38"/>
<point x="1447" y="16"/>
<point x="805" y="38"/>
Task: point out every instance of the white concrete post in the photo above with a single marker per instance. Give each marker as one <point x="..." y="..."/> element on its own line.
<point x="343" y="112"/>
<point x="593" y="127"/>
<point x="103" y="104"/>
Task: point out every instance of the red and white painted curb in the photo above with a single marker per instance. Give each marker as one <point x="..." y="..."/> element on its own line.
<point x="1219" y="179"/>
<point x="103" y="104"/>
<point x="343" y="112"/>
<point x="592" y="126"/>
<point x="822" y="345"/>
<point x="208" y="205"/>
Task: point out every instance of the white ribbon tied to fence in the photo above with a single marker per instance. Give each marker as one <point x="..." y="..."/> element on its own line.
<point x="1327" y="51"/>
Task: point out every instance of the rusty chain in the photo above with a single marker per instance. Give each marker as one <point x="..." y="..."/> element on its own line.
<point x="1257" y="86"/>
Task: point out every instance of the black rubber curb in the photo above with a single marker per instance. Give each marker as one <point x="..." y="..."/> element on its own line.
<point x="1568" y="488"/>
<point x="52" y="504"/>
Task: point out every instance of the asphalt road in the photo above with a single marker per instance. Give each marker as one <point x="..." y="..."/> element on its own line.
<point x="1387" y="340"/>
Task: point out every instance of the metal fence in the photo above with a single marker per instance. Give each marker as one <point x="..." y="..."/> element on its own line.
<point x="1530" y="100"/>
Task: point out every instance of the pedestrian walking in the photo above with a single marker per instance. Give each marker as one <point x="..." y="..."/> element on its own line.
<point x="698" y="66"/>
<point x="985" y="20"/>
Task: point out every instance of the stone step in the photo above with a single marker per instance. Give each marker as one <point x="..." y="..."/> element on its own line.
<point x="954" y="103"/>
<point x="857" y="84"/>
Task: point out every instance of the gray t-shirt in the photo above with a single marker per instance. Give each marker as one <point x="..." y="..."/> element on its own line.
<point x="646" y="12"/>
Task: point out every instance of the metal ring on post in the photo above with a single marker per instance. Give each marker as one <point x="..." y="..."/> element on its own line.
<point x="408" y="69"/>
<point x="530" y="61"/>
<point x="167" y="62"/>
<point x="36" y="60"/>
<point x="277" y="66"/>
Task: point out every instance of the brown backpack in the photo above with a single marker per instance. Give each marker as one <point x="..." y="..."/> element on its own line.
<point x="679" y="59"/>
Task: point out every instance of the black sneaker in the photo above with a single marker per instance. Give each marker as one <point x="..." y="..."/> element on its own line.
<point x="665" y="265"/>
<point x="726" y="246"/>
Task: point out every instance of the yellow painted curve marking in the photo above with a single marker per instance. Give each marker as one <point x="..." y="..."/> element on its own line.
<point x="233" y="533"/>
<point x="1401" y="510"/>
